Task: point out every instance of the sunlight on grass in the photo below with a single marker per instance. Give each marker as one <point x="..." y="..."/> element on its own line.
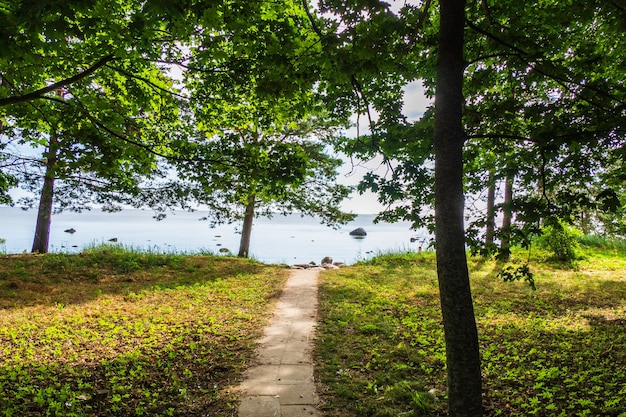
<point x="124" y="333"/>
<point x="557" y="351"/>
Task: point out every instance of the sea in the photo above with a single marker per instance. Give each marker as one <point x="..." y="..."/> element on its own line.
<point x="282" y="239"/>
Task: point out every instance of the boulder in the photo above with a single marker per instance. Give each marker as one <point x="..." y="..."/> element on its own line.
<point x="327" y="260"/>
<point x="358" y="232"/>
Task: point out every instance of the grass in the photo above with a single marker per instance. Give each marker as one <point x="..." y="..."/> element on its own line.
<point x="118" y="333"/>
<point x="557" y="351"/>
<point x="113" y="332"/>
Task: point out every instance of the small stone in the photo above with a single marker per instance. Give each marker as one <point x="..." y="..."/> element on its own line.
<point x="433" y="393"/>
<point x="358" y="232"/>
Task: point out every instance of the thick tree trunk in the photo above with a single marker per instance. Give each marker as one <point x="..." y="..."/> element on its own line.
<point x="44" y="213"/>
<point x="491" y="213"/>
<point x="461" y="337"/>
<point x="505" y="240"/>
<point x="246" y="231"/>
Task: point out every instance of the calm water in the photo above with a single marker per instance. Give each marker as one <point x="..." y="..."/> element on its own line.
<point x="283" y="239"/>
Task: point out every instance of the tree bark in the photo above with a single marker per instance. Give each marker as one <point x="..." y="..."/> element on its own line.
<point x="491" y="213"/>
<point x="44" y="212"/>
<point x="505" y="240"/>
<point x="461" y="337"/>
<point x="246" y="231"/>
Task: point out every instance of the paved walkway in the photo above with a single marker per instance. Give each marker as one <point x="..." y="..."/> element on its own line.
<point x="282" y="385"/>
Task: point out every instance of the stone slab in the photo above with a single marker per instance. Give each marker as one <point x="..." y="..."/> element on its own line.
<point x="298" y="411"/>
<point x="257" y="406"/>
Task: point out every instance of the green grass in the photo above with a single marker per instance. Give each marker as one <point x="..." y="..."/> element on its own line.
<point x="113" y="332"/>
<point x="557" y="351"/>
<point x="118" y="333"/>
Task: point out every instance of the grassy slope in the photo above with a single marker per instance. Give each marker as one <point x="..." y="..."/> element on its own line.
<point x="120" y="334"/>
<point x="558" y="351"/>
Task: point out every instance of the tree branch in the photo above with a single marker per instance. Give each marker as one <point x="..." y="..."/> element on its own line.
<point x="498" y="136"/>
<point x="316" y="29"/>
<point x="152" y="85"/>
<point x="420" y="22"/>
<point x="39" y="93"/>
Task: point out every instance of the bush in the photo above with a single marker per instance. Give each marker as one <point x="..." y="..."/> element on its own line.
<point x="561" y="240"/>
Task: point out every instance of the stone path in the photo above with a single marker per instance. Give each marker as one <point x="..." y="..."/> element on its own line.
<point x="282" y="384"/>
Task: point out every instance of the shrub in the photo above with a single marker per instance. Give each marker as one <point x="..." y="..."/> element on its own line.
<point x="561" y="240"/>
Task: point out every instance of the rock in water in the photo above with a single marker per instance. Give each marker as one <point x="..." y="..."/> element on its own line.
<point x="70" y="230"/>
<point x="358" y="232"/>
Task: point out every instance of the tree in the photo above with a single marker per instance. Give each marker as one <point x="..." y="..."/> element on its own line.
<point x="100" y="124"/>
<point x="542" y="102"/>
<point x="7" y="181"/>
<point x="540" y="91"/>
<point x="252" y="97"/>
<point x="97" y="145"/>
<point x="265" y="175"/>
<point x="462" y="352"/>
<point x="397" y="138"/>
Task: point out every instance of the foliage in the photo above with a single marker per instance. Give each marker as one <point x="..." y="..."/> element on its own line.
<point x="511" y="273"/>
<point x="283" y="173"/>
<point x="113" y="332"/>
<point x="378" y="50"/>
<point x="549" y="352"/>
<point x="602" y="242"/>
<point x="544" y="105"/>
<point x="7" y="181"/>
<point x="84" y="102"/>
<point x="561" y="240"/>
<point x="258" y="119"/>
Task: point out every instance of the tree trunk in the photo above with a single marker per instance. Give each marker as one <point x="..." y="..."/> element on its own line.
<point x="246" y="231"/>
<point x="461" y="337"/>
<point x="491" y="213"/>
<point x="44" y="213"/>
<point x="505" y="240"/>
